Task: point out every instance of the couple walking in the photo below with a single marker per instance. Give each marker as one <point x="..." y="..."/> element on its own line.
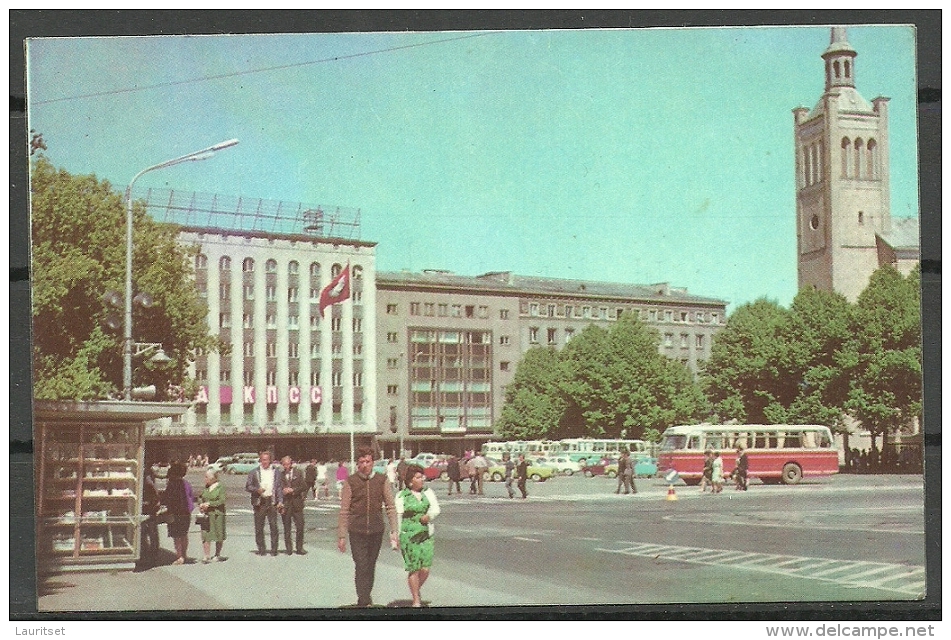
<point x="366" y="495"/>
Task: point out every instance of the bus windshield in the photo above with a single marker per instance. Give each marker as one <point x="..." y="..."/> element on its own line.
<point x="673" y="443"/>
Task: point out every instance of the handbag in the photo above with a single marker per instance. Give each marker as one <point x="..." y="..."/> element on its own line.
<point x="203" y="521"/>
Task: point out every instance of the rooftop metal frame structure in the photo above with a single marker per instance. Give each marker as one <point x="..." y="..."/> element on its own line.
<point x="239" y="213"/>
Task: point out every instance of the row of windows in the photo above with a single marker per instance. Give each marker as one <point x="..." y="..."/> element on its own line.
<point x="270" y="266"/>
<point x="699" y="340"/>
<point x="293" y="349"/>
<point x="270" y="293"/>
<point x="293" y="378"/>
<point x="535" y="309"/>
<point x="270" y="322"/>
<point x="860" y="160"/>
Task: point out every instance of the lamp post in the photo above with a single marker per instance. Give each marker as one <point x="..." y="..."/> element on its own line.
<point x="127" y="335"/>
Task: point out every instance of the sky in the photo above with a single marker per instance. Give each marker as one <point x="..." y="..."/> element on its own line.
<point x="635" y="156"/>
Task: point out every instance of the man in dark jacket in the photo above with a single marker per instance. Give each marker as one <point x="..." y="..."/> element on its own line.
<point x="365" y="495"/>
<point x="292" y="511"/>
<point x="452" y="470"/>
<point x="742" y="467"/>
<point x="310" y="477"/>
<point x="521" y="472"/>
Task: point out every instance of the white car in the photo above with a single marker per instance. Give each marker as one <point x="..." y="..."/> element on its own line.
<point x="562" y="464"/>
<point x="423" y="459"/>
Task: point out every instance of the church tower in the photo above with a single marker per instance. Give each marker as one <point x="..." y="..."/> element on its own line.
<point x="842" y="188"/>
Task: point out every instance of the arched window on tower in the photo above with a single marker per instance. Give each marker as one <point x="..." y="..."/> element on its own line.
<point x="848" y="69"/>
<point x="835" y="66"/>
<point x="806" y="166"/>
<point x="248" y="265"/>
<point x="816" y="164"/>
<point x="859" y="158"/>
<point x="314" y="270"/>
<point x="872" y="155"/>
<point x="846" y="157"/>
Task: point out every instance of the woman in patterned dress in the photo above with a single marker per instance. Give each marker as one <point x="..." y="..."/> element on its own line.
<point x="212" y="504"/>
<point x="416" y="509"/>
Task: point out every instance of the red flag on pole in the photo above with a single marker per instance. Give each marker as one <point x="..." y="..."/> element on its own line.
<point x="337" y="291"/>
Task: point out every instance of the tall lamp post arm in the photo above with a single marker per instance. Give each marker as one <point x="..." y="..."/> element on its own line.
<point x="128" y="343"/>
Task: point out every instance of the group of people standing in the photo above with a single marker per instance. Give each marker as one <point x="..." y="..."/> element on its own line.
<point x="174" y="507"/>
<point x="713" y="471"/>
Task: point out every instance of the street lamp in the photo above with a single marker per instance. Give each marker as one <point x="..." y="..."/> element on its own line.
<point x="203" y="154"/>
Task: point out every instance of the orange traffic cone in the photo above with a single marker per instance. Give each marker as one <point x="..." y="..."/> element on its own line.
<point x="671" y="494"/>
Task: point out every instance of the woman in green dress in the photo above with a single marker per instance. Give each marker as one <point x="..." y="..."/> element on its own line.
<point x="416" y="509"/>
<point x="212" y="504"/>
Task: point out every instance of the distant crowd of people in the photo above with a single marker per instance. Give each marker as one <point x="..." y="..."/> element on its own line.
<point x="907" y="460"/>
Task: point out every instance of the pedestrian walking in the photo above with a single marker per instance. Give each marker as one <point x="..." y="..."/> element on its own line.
<point x="717" y="477"/>
<point x="310" y="478"/>
<point x="323" y="486"/>
<point x="741" y="470"/>
<point x="211" y="504"/>
<point x="365" y="496"/>
<point x="509" y="465"/>
<point x="292" y="508"/>
<point x="401" y="471"/>
<point x="342" y="475"/>
<point x="391" y="472"/>
<point x="707" y="477"/>
<point x="625" y="473"/>
<point x="481" y="468"/>
<point x="150" y="509"/>
<point x="521" y="471"/>
<point x="471" y="472"/>
<point x="267" y="493"/>
<point x="416" y="508"/>
<point x="452" y="470"/>
<point x="180" y="500"/>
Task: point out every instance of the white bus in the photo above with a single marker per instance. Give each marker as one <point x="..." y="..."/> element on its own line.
<point x="590" y="450"/>
<point x="515" y="447"/>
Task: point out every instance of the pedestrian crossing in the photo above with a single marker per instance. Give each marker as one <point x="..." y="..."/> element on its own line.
<point x="905" y="579"/>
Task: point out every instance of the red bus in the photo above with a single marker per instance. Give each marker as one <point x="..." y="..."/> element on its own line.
<point x="775" y="452"/>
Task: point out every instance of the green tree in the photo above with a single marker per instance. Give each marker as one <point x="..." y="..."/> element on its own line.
<point x="78" y="244"/>
<point x="752" y="375"/>
<point x="883" y="358"/>
<point x="619" y="385"/>
<point x="534" y="405"/>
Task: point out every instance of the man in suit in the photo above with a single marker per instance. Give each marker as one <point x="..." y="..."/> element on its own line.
<point x="294" y="488"/>
<point x="267" y="494"/>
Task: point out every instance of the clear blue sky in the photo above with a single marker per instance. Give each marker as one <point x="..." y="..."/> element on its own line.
<point x="637" y="156"/>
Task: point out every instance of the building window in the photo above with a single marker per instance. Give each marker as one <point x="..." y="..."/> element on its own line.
<point x="293" y="268"/>
<point x="652" y="314"/>
<point x="391" y="336"/>
<point x="201" y="261"/>
<point x="505" y="340"/>
<point x="533" y="309"/>
<point x="248" y="321"/>
<point x="668" y="339"/>
<point x="248" y="349"/>
<point x="249" y="292"/>
<point x="533" y="335"/>
<point x="483" y="311"/>
<point x="292" y="323"/>
<point x="603" y="313"/>
<point x="248" y="378"/>
<point x="335" y="324"/>
<point x="668" y="316"/>
<point x="270" y="266"/>
<point x="357" y="325"/>
<point x="314" y="270"/>
<point x="292" y="350"/>
<point x="618" y="312"/>
<point x="271" y="321"/>
<point x="201" y="375"/>
<point x="503" y="314"/>
<point x="225" y="375"/>
<point x="224" y="264"/>
<point x="470" y="310"/>
<point x="392" y="363"/>
<point x="224" y="291"/>
<point x="715" y="318"/>
<point x="271" y="349"/>
<point x="391" y="309"/>
<point x="429" y="309"/>
<point x="314" y="294"/>
<point x="224" y="320"/>
<point x="315" y="377"/>
<point x="271" y="378"/>
<point x="700" y="317"/>
<point x="293" y="378"/>
<point x="391" y="389"/>
<point x="248" y="265"/>
<point x="336" y="379"/>
<point x="314" y="349"/>
<point x="456" y="311"/>
<point x="336" y="349"/>
<point x="684" y="341"/>
<point x="314" y="323"/>
<point x="551" y="311"/>
<point x="684" y="316"/>
<point x="202" y="289"/>
<point x="569" y="334"/>
<point x="271" y="293"/>
<point x="443" y="309"/>
<point x="552" y="335"/>
<point x="292" y="293"/>
<point x="357" y="379"/>
<point x="414" y="308"/>
<point x="569" y="310"/>
<point x="700" y="342"/>
<point x="586" y="312"/>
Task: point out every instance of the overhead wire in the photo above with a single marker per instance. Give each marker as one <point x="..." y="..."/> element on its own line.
<point x="234" y="74"/>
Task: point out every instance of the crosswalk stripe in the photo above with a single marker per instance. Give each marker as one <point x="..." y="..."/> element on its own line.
<point x="891" y="577"/>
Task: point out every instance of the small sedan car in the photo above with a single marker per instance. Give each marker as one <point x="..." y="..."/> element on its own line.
<point x="599" y="468"/>
<point x="643" y="468"/>
<point x="562" y="464"/>
<point x="536" y="472"/>
<point x="241" y="466"/>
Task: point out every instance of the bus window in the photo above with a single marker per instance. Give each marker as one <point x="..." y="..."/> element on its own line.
<point x="714" y="441"/>
<point x="791" y="440"/>
<point x="760" y="441"/>
<point x="809" y="439"/>
<point x="824" y="440"/>
<point x="673" y="443"/>
<point x="693" y="442"/>
<point x="741" y="440"/>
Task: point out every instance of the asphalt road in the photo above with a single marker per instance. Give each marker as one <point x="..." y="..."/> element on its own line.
<point x="574" y="541"/>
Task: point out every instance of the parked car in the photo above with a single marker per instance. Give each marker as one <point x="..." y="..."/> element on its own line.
<point x="599" y="468"/>
<point x="643" y="468"/>
<point x="536" y="472"/>
<point x="242" y="465"/>
<point x="562" y="464"/>
<point x="423" y="459"/>
<point x="221" y="463"/>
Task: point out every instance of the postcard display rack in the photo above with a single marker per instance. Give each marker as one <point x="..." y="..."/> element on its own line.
<point x="90" y="486"/>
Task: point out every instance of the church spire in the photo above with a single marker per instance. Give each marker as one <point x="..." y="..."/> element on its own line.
<point x="840" y="61"/>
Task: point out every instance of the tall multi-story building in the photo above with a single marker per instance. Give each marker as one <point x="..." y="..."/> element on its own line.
<point x="844" y="226"/>
<point x="449" y="344"/>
